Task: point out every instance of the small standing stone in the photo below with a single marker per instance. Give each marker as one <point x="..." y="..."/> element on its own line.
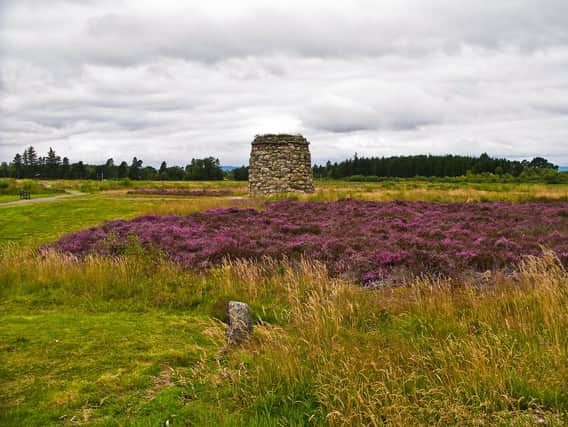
<point x="240" y="322"/>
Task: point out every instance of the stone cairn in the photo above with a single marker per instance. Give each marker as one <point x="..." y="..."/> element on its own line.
<point x="280" y="164"/>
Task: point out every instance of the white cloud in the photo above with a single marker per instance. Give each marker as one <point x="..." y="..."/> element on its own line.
<point x="105" y="78"/>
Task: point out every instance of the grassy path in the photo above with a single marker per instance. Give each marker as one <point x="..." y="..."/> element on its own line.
<point x="14" y="200"/>
<point x="39" y="199"/>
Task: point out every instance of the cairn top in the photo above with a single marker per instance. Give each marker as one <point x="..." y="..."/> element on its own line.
<point x="281" y="138"/>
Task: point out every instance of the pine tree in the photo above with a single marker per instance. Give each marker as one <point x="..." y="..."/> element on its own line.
<point x="18" y="163"/>
<point x="4" y="172"/>
<point x="78" y="170"/>
<point x="30" y="162"/>
<point x="123" y="170"/>
<point x="52" y="163"/>
<point x="163" y="168"/>
<point x="109" y="170"/>
<point x="135" y="167"/>
<point x="25" y="159"/>
<point x="32" y="157"/>
<point x="65" y="169"/>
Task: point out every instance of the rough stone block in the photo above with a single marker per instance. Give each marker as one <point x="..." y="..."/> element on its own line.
<point x="239" y="316"/>
<point x="280" y="164"/>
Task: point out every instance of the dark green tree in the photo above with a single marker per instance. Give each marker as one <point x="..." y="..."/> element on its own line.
<point x="204" y="169"/>
<point x="240" y="174"/>
<point x="78" y="171"/>
<point x="18" y="164"/>
<point x="65" y="169"/>
<point x="135" y="167"/>
<point x="52" y="164"/>
<point x="122" y="170"/>
<point x="109" y="170"/>
<point x="30" y="162"/>
<point x="163" y="168"/>
<point x="541" y="163"/>
<point x="174" y="173"/>
<point x="4" y="170"/>
<point x="148" y="173"/>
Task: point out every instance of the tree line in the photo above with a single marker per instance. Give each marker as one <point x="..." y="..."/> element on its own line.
<point x="427" y="166"/>
<point x="31" y="165"/>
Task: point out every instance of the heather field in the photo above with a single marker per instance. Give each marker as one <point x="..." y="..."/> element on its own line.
<point x="392" y="303"/>
<point x="365" y="240"/>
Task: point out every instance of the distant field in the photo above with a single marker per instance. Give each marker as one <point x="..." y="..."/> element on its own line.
<point x="41" y="223"/>
<point x="137" y="340"/>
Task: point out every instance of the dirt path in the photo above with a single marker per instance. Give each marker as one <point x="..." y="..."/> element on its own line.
<point x="70" y="193"/>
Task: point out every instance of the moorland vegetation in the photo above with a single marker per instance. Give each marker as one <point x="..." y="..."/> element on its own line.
<point x="137" y="338"/>
<point x="368" y="241"/>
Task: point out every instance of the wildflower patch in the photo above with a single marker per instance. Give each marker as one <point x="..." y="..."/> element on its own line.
<point x="368" y="240"/>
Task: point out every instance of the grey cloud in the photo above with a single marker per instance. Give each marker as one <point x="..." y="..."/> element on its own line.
<point x="373" y="105"/>
<point x="107" y="78"/>
<point x="119" y="35"/>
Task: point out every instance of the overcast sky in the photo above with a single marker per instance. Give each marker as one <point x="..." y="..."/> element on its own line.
<point x="166" y="81"/>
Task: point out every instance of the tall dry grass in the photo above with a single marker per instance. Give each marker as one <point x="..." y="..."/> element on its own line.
<point x="432" y="353"/>
<point x="326" y="351"/>
<point x="423" y="192"/>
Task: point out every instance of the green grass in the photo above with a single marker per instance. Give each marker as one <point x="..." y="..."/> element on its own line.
<point x="136" y="340"/>
<point x="65" y="366"/>
<point x="46" y="221"/>
<point x="40" y="223"/>
<point x="8" y="198"/>
<point x="90" y="186"/>
<point x="13" y="198"/>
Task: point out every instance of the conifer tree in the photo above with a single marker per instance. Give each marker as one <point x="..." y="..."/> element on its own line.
<point x="65" y="169"/>
<point x="18" y="163"/>
<point x="52" y="163"/>
<point x="163" y="168"/>
<point x="123" y="170"/>
<point x="135" y="167"/>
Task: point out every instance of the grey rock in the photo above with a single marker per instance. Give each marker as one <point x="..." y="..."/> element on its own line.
<point x="240" y="322"/>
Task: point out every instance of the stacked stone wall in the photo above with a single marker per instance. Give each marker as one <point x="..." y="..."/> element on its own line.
<point x="280" y="164"/>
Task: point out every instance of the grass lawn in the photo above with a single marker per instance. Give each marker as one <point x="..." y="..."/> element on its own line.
<point x="136" y="340"/>
<point x="39" y="223"/>
<point x="65" y="366"/>
<point x="8" y="198"/>
<point x="12" y="198"/>
<point x="35" y="223"/>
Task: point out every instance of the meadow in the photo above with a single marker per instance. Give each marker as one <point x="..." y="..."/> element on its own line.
<point x="138" y="338"/>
